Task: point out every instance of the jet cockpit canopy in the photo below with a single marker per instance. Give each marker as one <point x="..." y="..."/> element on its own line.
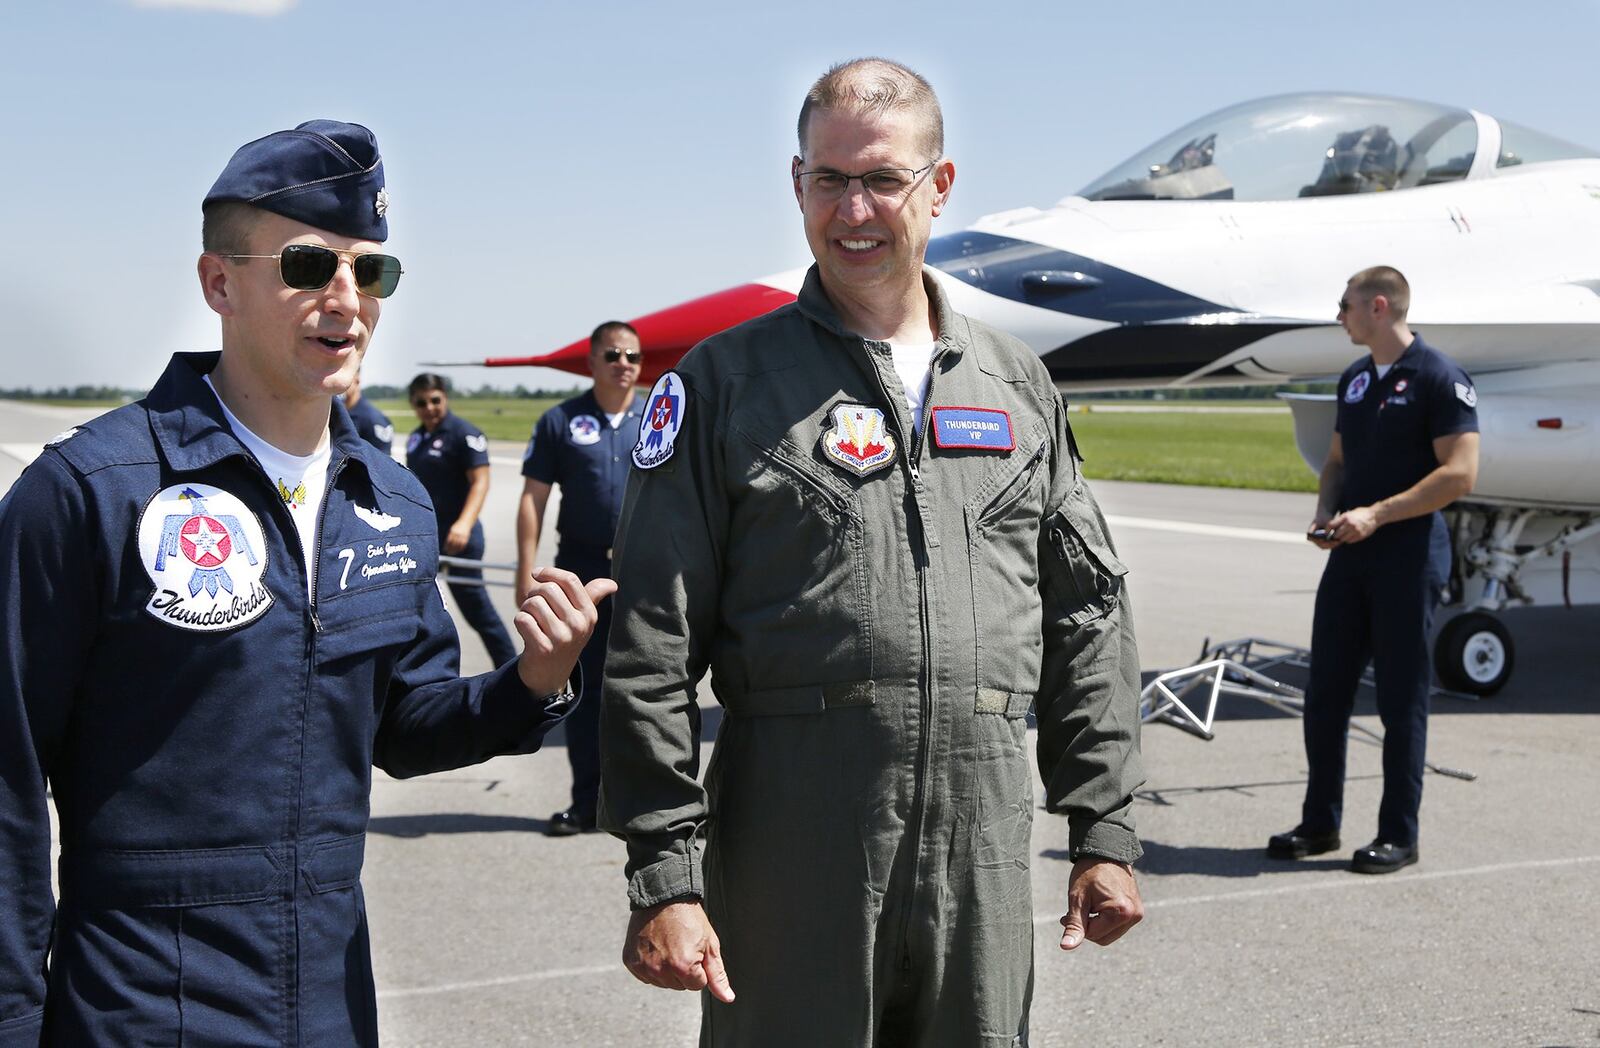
<point x="1302" y="145"/>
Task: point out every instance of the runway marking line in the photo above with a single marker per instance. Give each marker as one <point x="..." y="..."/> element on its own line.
<point x="1350" y="881"/>
<point x="1221" y="531"/>
<point x="1346" y="881"/>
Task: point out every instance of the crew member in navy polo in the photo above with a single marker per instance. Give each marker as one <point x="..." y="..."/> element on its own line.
<point x="583" y="444"/>
<point x="372" y="425"/>
<point x="1405" y="446"/>
<point x="217" y="613"/>
<point x="451" y="457"/>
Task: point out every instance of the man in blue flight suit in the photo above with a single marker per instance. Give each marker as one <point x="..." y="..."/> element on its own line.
<point x="372" y="425"/>
<point x="451" y="457"/>
<point x="583" y="444"/>
<point x="1405" y="446"/>
<point x="217" y="613"/>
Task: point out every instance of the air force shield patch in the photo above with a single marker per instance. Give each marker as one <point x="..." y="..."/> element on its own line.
<point x="663" y="418"/>
<point x="206" y="554"/>
<point x="859" y="440"/>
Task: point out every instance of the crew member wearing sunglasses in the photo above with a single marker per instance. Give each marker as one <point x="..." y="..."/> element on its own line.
<point x="583" y="445"/>
<point x="451" y="457"/>
<point x="218" y="612"/>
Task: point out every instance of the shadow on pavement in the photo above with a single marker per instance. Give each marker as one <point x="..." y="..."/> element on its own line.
<point x="453" y="822"/>
<point x="1556" y="669"/>
<point x="1170" y="859"/>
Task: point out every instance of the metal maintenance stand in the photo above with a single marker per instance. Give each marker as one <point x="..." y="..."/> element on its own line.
<point x="1240" y="667"/>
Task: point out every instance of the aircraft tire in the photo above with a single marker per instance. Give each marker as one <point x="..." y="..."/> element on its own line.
<point x="1474" y="653"/>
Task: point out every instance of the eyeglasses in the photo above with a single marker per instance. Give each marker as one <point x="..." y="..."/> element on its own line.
<point x="611" y="356"/>
<point x="1344" y="304"/>
<point x="886" y="183"/>
<point x="311" y="267"/>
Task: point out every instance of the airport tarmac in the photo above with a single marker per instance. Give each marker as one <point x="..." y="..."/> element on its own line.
<point x="485" y="932"/>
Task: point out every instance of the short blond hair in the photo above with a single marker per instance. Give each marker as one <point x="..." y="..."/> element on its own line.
<point x="1388" y="282"/>
<point x="876" y="86"/>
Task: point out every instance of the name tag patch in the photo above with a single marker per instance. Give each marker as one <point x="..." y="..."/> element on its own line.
<point x="976" y="429"/>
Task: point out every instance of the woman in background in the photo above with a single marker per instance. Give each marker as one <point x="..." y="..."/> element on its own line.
<point x="451" y="458"/>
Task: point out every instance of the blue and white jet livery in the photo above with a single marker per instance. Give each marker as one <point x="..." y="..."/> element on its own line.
<point x="1216" y="257"/>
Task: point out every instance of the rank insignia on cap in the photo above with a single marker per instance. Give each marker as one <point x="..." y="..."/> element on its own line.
<point x="663" y="418"/>
<point x="381" y="205"/>
<point x="974" y="429"/>
<point x="205" y="551"/>
<point x="859" y="440"/>
<point x="1357" y="388"/>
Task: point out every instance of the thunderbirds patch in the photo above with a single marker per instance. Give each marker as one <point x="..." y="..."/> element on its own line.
<point x="859" y="440"/>
<point x="1357" y="388"/>
<point x="663" y="418"/>
<point x="206" y="554"/>
<point x="584" y="430"/>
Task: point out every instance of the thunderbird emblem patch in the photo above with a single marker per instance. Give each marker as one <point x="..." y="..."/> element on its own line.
<point x="584" y="430"/>
<point x="1357" y="388"/>
<point x="859" y="440"/>
<point x="663" y="418"/>
<point x="206" y="554"/>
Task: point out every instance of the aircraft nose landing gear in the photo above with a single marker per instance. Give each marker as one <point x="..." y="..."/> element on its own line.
<point x="1474" y="653"/>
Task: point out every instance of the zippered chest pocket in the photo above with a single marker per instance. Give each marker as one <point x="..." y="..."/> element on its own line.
<point x="1003" y="521"/>
<point x="796" y="601"/>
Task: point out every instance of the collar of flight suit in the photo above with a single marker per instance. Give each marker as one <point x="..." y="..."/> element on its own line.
<point x="816" y="306"/>
<point x="1408" y="360"/>
<point x="187" y="421"/>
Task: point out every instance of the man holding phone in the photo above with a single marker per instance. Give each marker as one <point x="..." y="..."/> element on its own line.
<point x="1405" y="445"/>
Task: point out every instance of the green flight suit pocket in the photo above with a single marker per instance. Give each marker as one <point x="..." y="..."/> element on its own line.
<point x="796" y="595"/>
<point x="1083" y="576"/>
<point x="1003" y="554"/>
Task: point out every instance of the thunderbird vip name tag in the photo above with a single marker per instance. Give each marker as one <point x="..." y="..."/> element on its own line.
<point x="205" y="551"/>
<point x="975" y="429"/>
<point x="663" y="418"/>
<point x="859" y="440"/>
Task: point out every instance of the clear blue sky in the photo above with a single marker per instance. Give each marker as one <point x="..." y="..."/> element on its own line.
<point x="554" y="164"/>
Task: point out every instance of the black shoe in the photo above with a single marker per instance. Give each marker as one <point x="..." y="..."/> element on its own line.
<point x="1297" y="844"/>
<point x="569" y="823"/>
<point x="1382" y="857"/>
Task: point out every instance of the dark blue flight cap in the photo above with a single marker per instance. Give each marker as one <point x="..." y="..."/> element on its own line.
<point x="325" y="173"/>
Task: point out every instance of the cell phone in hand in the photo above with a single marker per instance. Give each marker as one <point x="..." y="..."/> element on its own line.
<point x="1323" y="533"/>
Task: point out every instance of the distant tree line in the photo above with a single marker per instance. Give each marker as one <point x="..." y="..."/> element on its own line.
<point x="485" y="390"/>
<point x="73" y="393"/>
<point x="1208" y="392"/>
<point x="119" y="393"/>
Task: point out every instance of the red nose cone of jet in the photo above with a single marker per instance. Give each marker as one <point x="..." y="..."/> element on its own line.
<point x="667" y="334"/>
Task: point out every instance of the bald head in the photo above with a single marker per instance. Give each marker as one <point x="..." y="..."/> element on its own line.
<point x="873" y="86"/>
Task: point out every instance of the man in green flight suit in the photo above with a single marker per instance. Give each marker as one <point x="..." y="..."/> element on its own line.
<point x="864" y="514"/>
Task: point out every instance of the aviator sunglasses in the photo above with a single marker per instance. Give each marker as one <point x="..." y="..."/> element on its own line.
<point x="311" y="267"/>
<point x="611" y="356"/>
